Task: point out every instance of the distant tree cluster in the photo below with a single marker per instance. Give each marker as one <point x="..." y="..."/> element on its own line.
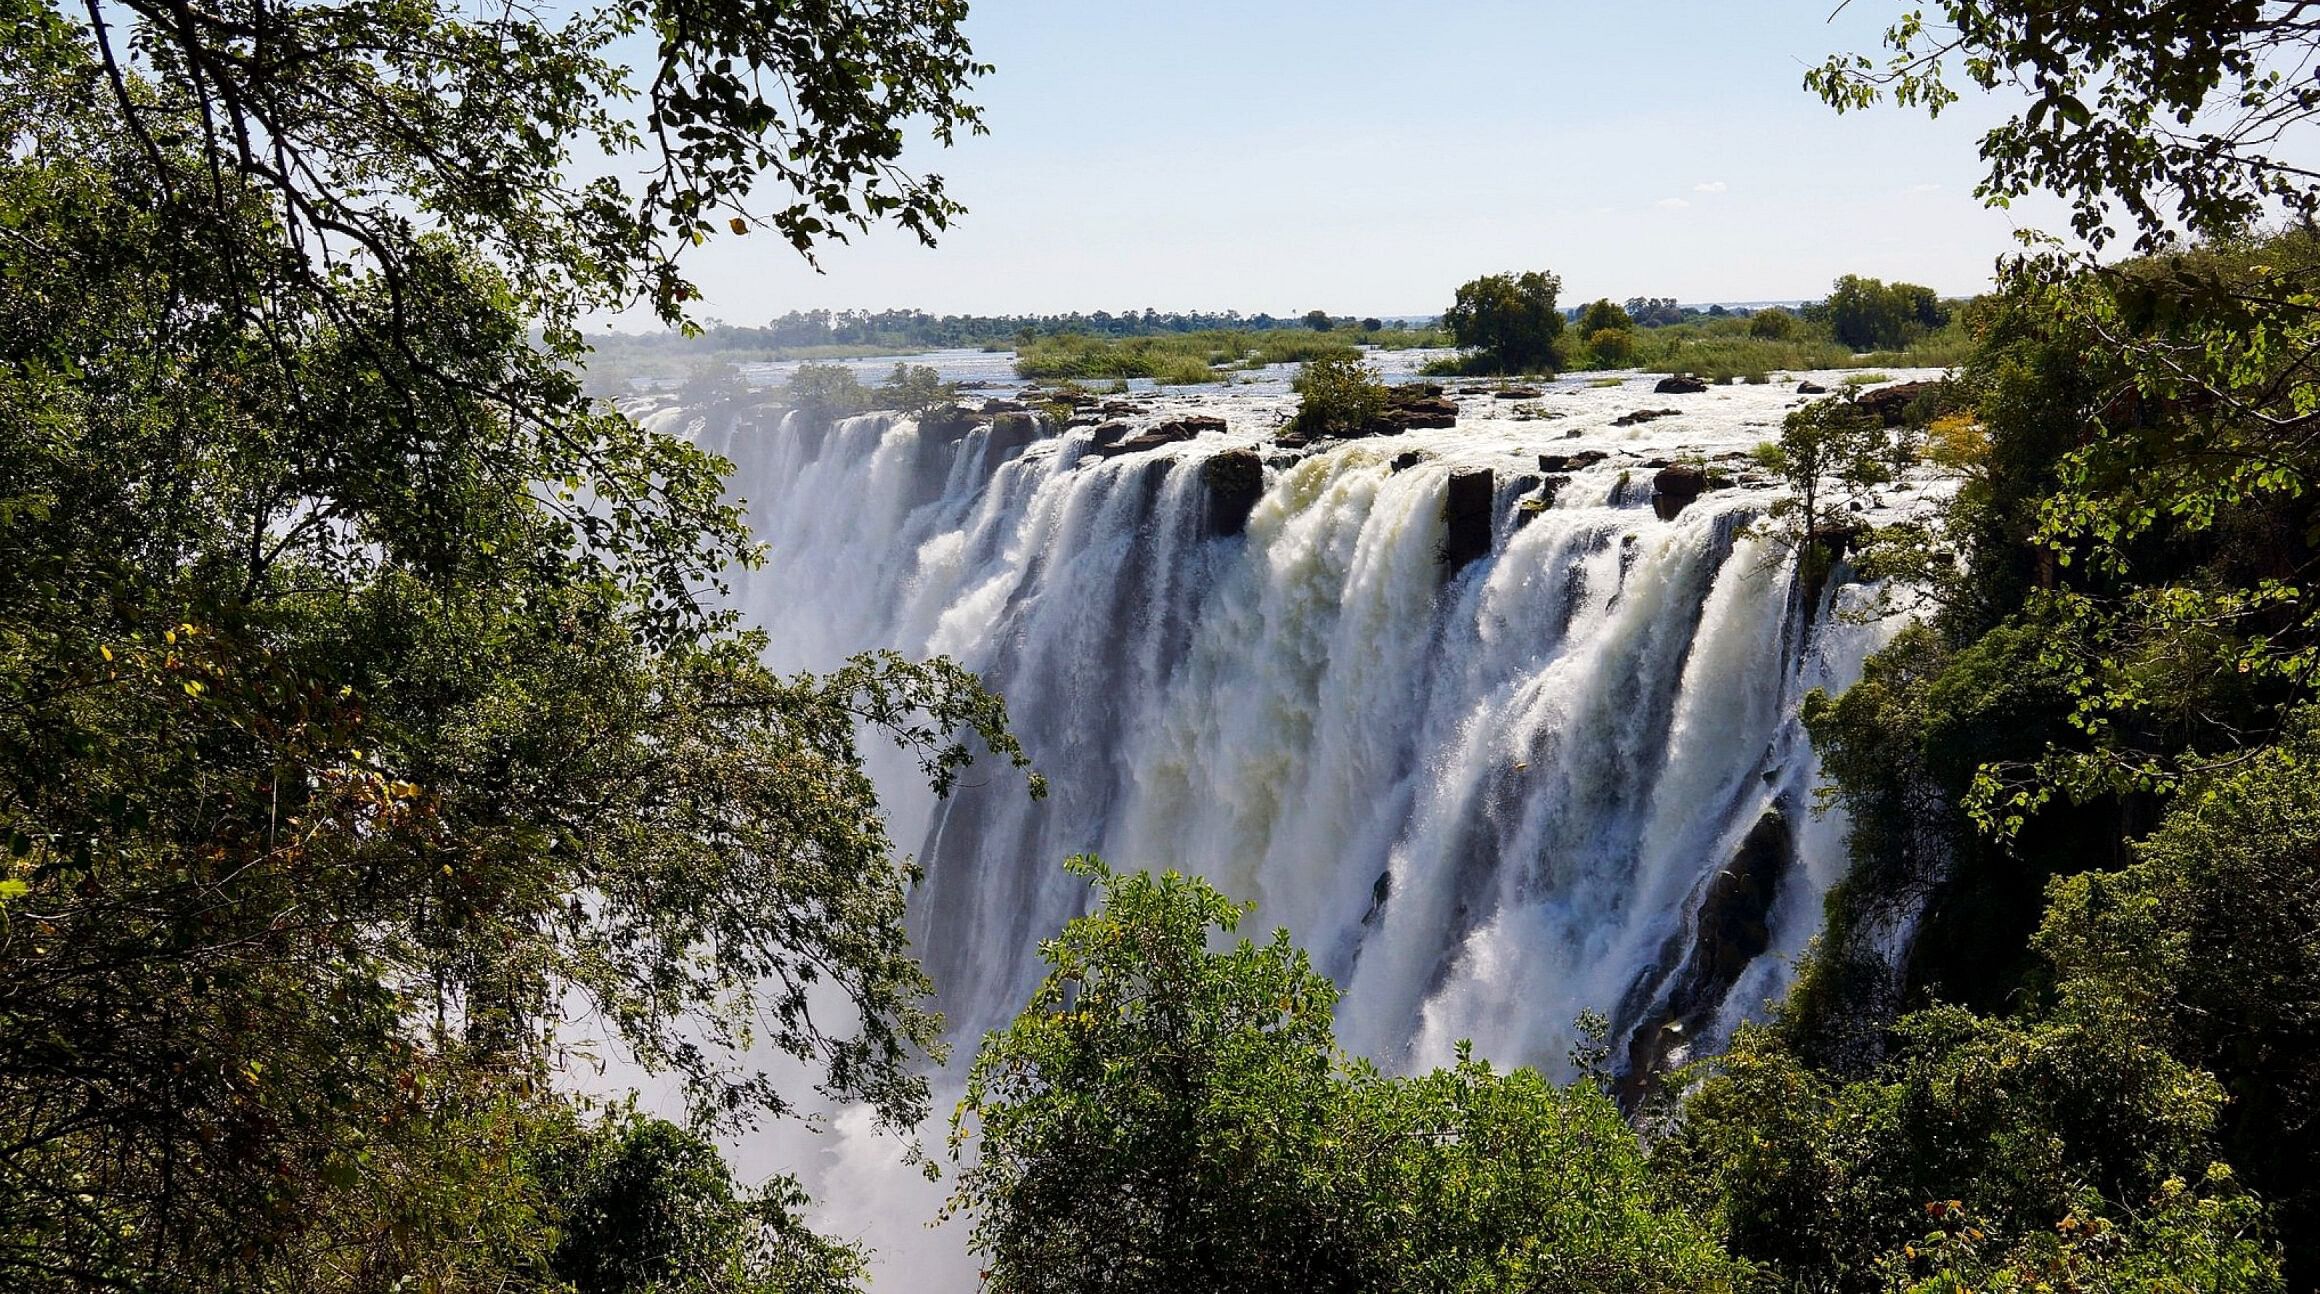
<point x="918" y="330"/>
<point x="1869" y="314"/>
<point x="1509" y="322"/>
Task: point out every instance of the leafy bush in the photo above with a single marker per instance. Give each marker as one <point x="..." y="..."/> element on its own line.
<point x="914" y="388"/>
<point x="823" y="393"/>
<point x="1338" y="396"/>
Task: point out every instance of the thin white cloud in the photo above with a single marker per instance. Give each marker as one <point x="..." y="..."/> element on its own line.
<point x="1673" y="204"/>
<point x="1709" y="186"/>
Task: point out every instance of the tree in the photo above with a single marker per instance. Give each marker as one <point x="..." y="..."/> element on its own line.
<point x="2120" y="115"/>
<point x="1171" y="1112"/>
<point x="1510" y="320"/>
<point x="1372" y="324"/>
<point x="1868" y="314"/>
<point x="1157" y="1113"/>
<point x="1831" y="453"/>
<point x="1319" y="320"/>
<point x="366" y="703"/>
<point x="646" y="1207"/>
<point x="1600" y="316"/>
<point x="1772" y="324"/>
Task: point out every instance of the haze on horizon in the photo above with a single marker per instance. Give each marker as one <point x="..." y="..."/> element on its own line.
<point x="1364" y="158"/>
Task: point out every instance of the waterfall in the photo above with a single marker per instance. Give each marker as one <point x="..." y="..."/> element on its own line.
<point x="1564" y="776"/>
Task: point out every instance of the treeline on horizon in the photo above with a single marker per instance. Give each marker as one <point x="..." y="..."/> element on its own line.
<point x="898" y="330"/>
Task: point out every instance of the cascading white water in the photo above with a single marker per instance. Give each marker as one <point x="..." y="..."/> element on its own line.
<point x="1567" y="776"/>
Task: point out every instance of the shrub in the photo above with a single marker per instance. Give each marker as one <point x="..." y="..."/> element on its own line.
<point x="914" y="388"/>
<point x="1611" y="347"/>
<point x="1774" y="324"/>
<point x="1340" y="396"/>
<point x="825" y="392"/>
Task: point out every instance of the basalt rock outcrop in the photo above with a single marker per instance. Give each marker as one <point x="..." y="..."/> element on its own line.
<point x="1235" y="480"/>
<point x="1641" y="416"/>
<point x="1466" y="516"/>
<point x="1891" y="404"/>
<point x="1674" y="488"/>
<point x="1680" y="384"/>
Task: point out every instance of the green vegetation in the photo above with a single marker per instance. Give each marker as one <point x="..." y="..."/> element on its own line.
<point x="1507" y="323"/>
<point x="1339" y="396"/>
<point x="372" y="741"/>
<point x="1188" y="358"/>
<point x="1865" y="314"/>
<point x="1169" y="1104"/>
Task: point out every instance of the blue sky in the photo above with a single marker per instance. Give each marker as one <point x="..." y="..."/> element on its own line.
<point x="1365" y="158"/>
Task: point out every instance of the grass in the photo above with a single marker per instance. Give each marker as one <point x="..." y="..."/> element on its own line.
<point x="1721" y="350"/>
<point x="1180" y="359"/>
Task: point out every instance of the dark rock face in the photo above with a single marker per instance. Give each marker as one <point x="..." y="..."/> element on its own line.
<point x="1642" y="416"/>
<point x="1680" y="384"/>
<point x="1811" y="388"/>
<point x="1411" y="407"/>
<point x="1572" y="462"/>
<point x="1167" y="433"/>
<point x="1517" y="393"/>
<point x="1413" y="412"/>
<point x="1839" y="537"/>
<point x="1235" y="481"/>
<point x="1891" y="404"/>
<point x="1010" y="433"/>
<point x="1466" y="517"/>
<point x="1674" y="488"/>
<point x="1406" y="460"/>
<point x="948" y="423"/>
<point x="1005" y="406"/>
<point x="1111" y="433"/>
<point x="1730" y="927"/>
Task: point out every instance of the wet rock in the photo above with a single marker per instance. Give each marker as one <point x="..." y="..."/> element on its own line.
<point x="1731" y="927"/>
<point x="1674" y="488"/>
<point x="1413" y="408"/>
<point x="1811" y="388"/>
<point x="1406" y="460"/>
<point x="1111" y="433"/>
<point x="1641" y="416"/>
<point x="1680" y="384"/>
<point x="1517" y="393"/>
<point x="1572" y="462"/>
<point x="1839" y="537"/>
<point x="949" y="423"/>
<point x="1891" y="404"/>
<point x="1120" y="409"/>
<point x="1235" y="480"/>
<point x="1466" y="517"/>
<point x="1010" y="434"/>
<point x="1005" y="406"/>
<point x="1193" y="424"/>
